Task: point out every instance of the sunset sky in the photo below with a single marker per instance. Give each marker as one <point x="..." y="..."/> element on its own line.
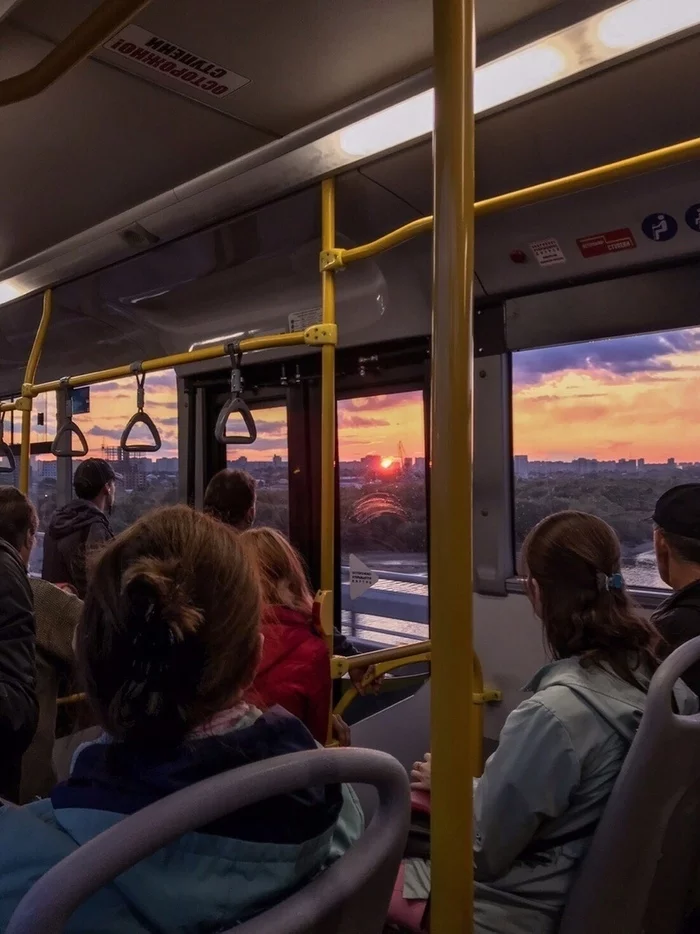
<point x="627" y="397"/>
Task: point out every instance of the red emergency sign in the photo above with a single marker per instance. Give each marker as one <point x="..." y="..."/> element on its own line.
<point x="611" y="242"/>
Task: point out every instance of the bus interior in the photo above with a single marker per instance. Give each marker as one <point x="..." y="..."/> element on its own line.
<point x="171" y="211"/>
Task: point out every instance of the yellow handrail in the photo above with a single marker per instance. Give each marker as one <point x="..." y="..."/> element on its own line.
<point x="380" y="669"/>
<point x="24" y="403"/>
<point x="70" y="699"/>
<point x="85" y="38"/>
<point x="569" y="184"/>
<point x="328" y="408"/>
<point x="325" y="596"/>
<point x="311" y="336"/>
<point x="340" y="664"/>
<point x="451" y="590"/>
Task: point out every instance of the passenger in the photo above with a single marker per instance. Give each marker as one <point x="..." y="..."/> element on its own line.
<point x="18" y="702"/>
<point x="294" y="671"/>
<point x="80" y="526"/>
<point x="231" y="497"/>
<point x="677" y="547"/>
<point x="57" y="612"/>
<point x="167" y="648"/>
<point x="543" y="791"/>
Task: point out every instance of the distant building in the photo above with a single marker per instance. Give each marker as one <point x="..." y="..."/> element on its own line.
<point x="521" y="465"/>
<point x="131" y="468"/>
<point x="167" y="465"/>
<point x="276" y="460"/>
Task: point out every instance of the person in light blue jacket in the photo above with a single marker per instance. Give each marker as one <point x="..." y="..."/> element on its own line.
<point x="167" y="648"/>
<point x="544" y="790"/>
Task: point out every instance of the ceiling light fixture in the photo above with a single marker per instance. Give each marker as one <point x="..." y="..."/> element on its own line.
<point x="585" y="45"/>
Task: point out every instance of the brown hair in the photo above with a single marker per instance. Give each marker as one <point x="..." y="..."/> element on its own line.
<point x="282" y="574"/>
<point x="684" y="549"/>
<point x="169" y="635"/>
<point x="230" y="496"/>
<point x="18" y="517"/>
<point x="586" y="611"/>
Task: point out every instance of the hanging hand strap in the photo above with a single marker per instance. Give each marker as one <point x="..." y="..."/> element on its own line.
<point x="235" y="405"/>
<point x="140" y="418"/>
<point x="68" y="429"/>
<point x="5" y="449"/>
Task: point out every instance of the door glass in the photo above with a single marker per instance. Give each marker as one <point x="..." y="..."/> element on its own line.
<point x="381" y="442"/>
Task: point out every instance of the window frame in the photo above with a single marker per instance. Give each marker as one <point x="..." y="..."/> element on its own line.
<point x="620" y="306"/>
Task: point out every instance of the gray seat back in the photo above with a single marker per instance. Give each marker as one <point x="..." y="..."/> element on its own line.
<point x="643" y="860"/>
<point x="402" y="730"/>
<point x="352" y="895"/>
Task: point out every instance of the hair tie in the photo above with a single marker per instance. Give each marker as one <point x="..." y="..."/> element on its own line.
<point x="613" y="582"/>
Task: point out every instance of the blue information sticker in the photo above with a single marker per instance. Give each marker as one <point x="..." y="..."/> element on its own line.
<point x="81" y="400"/>
<point x="659" y="227"/>
<point x="692" y="217"/>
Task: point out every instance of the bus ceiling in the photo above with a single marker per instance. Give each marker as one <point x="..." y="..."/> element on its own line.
<point x="165" y="190"/>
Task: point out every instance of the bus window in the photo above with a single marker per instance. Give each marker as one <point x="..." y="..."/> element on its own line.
<point x="606" y="427"/>
<point x="144" y="481"/>
<point x="381" y="444"/>
<point x="266" y="460"/>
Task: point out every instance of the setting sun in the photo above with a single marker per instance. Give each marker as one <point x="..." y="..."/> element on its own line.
<point x="387" y="462"/>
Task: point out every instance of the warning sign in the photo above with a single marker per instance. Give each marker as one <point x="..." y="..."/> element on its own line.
<point x="611" y="242"/>
<point x="548" y="252"/>
<point x="170" y="60"/>
<point x="361" y="577"/>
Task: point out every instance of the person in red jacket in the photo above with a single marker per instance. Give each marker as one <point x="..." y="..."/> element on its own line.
<point x="294" y="671"/>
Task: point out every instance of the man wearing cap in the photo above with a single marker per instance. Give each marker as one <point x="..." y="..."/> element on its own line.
<point x="677" y="547"/>
<point x="80" y="526"/>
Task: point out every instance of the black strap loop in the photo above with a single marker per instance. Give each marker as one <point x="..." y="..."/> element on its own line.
<point x="141" y="418"/>
<point x="68" y="429"/>
<point x="5" y="449"/>
<point x="235" y="405"/>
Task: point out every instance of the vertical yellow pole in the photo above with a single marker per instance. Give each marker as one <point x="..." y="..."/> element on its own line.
<point x="24" y="404"/>
<point x="328" y="415"/>
<point x="451" y="470"/>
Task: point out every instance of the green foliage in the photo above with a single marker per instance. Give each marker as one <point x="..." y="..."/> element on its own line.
<point x="625" y="502"/>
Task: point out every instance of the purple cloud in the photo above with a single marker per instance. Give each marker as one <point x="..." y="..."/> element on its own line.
<point x="360" y="421"/>
<point x="619" y="356"/>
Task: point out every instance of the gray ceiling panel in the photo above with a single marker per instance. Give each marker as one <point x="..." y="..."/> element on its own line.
<point x="95" y="144"/>
<point x="303" y="59"/>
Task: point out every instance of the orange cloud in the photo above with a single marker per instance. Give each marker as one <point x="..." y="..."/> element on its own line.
<point x="596" y="413"/>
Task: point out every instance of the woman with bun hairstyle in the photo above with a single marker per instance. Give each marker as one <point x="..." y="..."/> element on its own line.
<point x="167" y="649"/>
<point x="294" y="670"/>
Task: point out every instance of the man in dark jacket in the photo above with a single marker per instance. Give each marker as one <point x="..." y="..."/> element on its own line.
<point x="677" y="546"/>
<point x="80" y="526"/>
<point x="18" y="703"/>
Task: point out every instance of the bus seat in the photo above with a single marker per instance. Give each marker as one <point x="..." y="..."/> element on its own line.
<point x="402" y="730"/>
<point x="352" y="895"/>
<point x="643" y="861"/>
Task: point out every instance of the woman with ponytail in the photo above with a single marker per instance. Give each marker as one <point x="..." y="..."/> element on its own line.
<point x="167" y="649"/>
<point x="543" y="791"/>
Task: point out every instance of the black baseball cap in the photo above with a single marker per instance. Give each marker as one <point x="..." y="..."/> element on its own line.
<point x="91" y="476"/>
<point x="678" y="511"/>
